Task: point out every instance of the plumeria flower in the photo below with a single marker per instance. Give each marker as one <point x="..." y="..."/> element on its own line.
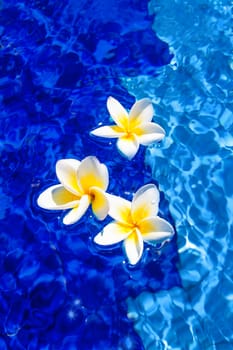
<point x="81" y="184"/>
<point x="132" y="129"/>
<point x="135" y="222"/>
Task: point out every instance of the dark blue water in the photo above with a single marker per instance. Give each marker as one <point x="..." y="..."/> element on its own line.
<point x="59" y="61"/>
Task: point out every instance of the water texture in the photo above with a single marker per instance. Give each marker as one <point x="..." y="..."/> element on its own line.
<point x="59" y="61"/>
<point x="193" y="98"/>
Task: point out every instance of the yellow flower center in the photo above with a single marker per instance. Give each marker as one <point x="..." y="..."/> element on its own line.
<point x="91" y="196"/>
<point x="128" y="135"/>
<point x="136" y="226"/>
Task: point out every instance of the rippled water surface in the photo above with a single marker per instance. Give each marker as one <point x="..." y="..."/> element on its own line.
<point x="193" y="98"/>
<point x="59" y="61"/>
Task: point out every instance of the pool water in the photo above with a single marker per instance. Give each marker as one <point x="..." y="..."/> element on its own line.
<point x="193" y="97"/>
<point x="59" y="61"/>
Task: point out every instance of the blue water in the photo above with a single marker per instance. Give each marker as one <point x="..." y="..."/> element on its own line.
<point x="193" y="98"/>
<point x="58" y="64"/>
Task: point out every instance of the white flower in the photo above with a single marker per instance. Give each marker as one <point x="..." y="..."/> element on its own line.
<point x="135" y="222"/>
<point x="82" y="183"/>
<point x="132" y="129"/>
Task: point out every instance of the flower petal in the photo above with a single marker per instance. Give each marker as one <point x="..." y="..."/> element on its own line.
<point x="148" y="133"/>
<point x="100" y="205"/>
<point x="145" y="203"/>
<point x="118" y="112"/>
<point x="66" y="170"/>
<point x="75" y="214"/>
<point x="91" y="173"/>
<point x="141" y="112"/>
<point x="133" y="245"/>
<point x="109" y="131"/>
<point x="119" y="209"/>
<point x="112" y="233"/>
<point x="128" y="146"/>
<point x="155" y="230"/>
<point x="57" y="198"/>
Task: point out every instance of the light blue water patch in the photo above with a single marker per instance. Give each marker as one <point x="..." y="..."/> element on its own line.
<point x="193" y="101"/>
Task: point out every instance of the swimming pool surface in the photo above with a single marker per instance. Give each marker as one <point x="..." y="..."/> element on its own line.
<point x="59" y="62"/>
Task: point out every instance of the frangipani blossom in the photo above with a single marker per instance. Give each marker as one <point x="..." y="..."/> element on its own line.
<point x="132" y="129"/>
<point x="135" y="222"/>
<point x="81" y="184"/>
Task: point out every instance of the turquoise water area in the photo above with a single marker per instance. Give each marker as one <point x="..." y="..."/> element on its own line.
<point x="193" y="101"/>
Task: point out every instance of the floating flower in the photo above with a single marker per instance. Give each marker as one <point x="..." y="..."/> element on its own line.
<point x="135" y="222"/>
<point x="82" y="183"/>
<point x="132" y="129"/>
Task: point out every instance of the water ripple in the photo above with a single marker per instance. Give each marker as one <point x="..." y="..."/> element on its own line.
<point x="193" y="102"/>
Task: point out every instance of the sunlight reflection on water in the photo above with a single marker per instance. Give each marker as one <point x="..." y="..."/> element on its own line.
<point x="193" y="102"/>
